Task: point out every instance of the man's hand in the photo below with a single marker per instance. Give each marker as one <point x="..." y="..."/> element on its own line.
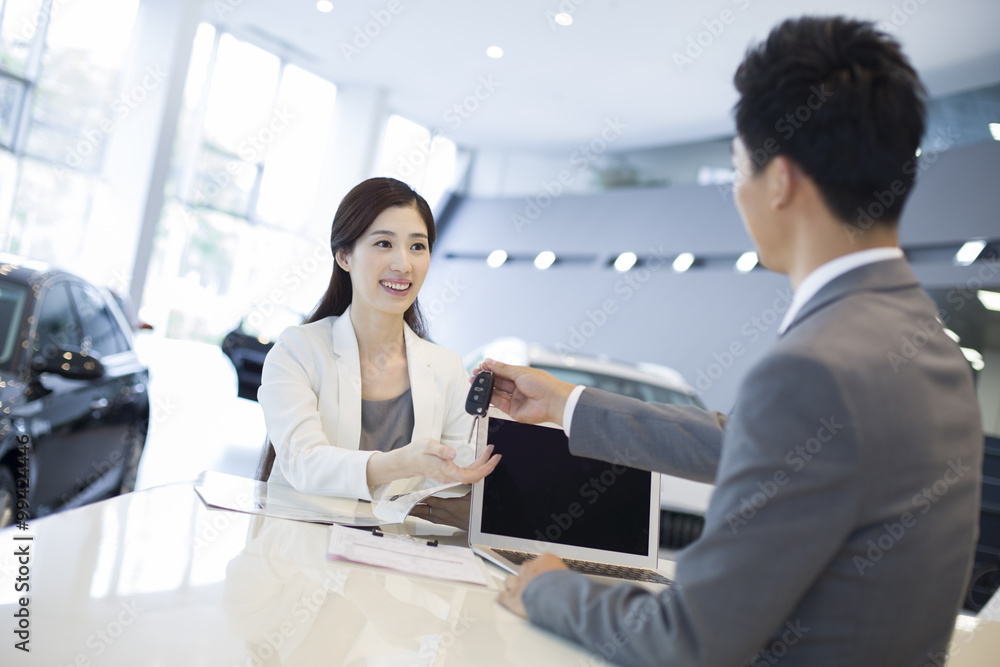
<point x="528" y="395"/>
<point x="513" y="587"/>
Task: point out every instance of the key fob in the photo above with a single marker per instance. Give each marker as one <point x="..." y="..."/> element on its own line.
<point x="478" y="400"/>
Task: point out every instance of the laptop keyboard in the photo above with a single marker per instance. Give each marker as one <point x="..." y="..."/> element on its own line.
<point x="590" y="567"/>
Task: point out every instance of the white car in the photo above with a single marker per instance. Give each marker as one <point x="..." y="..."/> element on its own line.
<point x="682" y="501"/>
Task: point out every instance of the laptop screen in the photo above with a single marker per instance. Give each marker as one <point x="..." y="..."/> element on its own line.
<point x="539" y="491"/>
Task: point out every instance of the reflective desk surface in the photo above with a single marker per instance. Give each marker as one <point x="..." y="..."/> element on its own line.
<point x="155" y="578"/>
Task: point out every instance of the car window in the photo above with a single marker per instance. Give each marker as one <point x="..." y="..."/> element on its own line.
<point x="58" y="328"/>
<point x="102" y="333"/>
<point x="12" y="298"/>
<point x="649" y="393"/>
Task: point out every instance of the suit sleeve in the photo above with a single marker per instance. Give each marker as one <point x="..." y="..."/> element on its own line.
<point x="779" y="516"/>
<point x="678" y="440"/>
<point x="308" y="455"/>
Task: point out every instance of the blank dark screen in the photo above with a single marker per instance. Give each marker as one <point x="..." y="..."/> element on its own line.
<point x="540" y="491"/>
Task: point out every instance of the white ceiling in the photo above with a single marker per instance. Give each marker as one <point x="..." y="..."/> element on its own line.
<point x="556" y="86"/>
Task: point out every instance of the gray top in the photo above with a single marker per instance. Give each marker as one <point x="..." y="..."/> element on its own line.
<point x="386" y="425"/>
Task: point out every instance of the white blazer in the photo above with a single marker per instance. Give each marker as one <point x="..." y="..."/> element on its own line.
<point x="311" y="396"/>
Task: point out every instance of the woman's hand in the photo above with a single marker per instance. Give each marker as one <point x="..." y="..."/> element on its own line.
<point x="446" y="511"/>
<point x="428" y="458"/>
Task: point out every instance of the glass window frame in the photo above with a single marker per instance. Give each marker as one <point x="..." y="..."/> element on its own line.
<point x="80" y="290"/>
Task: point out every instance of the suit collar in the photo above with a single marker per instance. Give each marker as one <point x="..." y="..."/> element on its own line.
<point x="882" y="276"/>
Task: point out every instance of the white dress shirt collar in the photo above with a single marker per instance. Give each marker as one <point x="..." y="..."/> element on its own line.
<point x="825" y="274"/>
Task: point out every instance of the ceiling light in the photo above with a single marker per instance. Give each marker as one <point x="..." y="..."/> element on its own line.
<point x="683" y="262"/>
<point x="545" y="259"/>
<point x="746" y="262"/>
<point x="995" y="130"/>
<point x="974" y="357"/>
<point x="496" y="259"/>
<point x="625" y="261"/>
<point x="968" y="253"/>
<point x="562" y="18"/>
<point x="324" y="6"/>
<point x="494" y="52"/>
<point x="990" y="300"/>
<point x="918" y="151"/>
<point x="952" y="335"/>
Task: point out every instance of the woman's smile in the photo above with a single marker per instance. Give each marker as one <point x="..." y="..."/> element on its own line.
<point x="396" y="287"/>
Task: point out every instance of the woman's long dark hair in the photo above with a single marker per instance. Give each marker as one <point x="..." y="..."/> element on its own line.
<point x="356" y="213"/>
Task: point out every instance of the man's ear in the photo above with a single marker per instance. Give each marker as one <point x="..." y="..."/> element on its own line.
<point x="783" y="180"/>
<point x="343" y="259"/>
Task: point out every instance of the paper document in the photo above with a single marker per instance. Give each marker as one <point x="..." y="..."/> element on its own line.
<point x="241" y="494"/>
<point x="405" y="554"/>
<point x="394" y="509"/>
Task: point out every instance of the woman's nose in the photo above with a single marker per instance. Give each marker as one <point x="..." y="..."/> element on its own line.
<point x="401" y="261"/>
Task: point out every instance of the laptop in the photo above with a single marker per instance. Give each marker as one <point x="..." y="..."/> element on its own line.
<point x="602" y="519"/>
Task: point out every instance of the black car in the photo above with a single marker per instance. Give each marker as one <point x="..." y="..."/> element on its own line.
<point x="251" y="340"/>
<point x="71" y="389"/>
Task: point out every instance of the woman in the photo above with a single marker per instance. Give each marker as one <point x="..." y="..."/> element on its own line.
<point x="356" y="403"/>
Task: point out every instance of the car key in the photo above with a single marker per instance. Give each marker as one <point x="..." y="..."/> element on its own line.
<point x="480" y="393"/>
<point x="478" y="400"/>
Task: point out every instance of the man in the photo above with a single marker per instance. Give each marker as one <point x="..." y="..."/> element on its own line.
<point x="843" y="523"/>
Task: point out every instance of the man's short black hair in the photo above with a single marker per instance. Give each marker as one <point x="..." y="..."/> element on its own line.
<point x="839" y="98"/>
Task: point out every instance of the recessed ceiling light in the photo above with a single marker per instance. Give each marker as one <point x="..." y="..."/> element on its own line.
<point x="545" y="259"/>
<point x="952" y="335"/>
<point x="683" y="262"/>
<point x="746" y="262"/>
<point x="496" y="259"/>
<point x="324" y="6"/>
<point x="918" y="151"/>
<point x="995" y="130"/>
<point x="969" y="251"/>
<point x="494" y="52"/>
<point x="990" y="300"/>
<point x="625" y="261"/>
<point x="562" y="18"/>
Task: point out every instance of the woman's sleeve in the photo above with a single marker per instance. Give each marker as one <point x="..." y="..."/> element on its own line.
<point x="458" y="422"/>
<point x="308" y="456"/>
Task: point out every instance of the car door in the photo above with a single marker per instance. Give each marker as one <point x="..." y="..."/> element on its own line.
<point x="57" y="413"/>
<point x="115" y="412"/>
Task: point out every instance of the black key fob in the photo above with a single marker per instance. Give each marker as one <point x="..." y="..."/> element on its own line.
<point x="478" y="400"/>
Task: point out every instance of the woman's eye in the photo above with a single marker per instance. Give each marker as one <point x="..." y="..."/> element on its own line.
<point x="419" y="246"/>
<point x="383" y="244"/>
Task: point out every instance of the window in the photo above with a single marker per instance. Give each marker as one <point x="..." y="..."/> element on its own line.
<point x="301" y="128"/>
<point x="649" y="393"/>
<point x="58" y="328"/>
<point x="11" y="100"/>
<point x="21" y="22"/>
<point x="12" y="298"/>
<point x="76" y="94"/>
<point x="238" y="235"/>
<point x="102" y="333"/>
<point x="424" y="162"/>
<point x="60" y="65"/>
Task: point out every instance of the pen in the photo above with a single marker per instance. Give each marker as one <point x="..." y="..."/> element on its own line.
<point x="431" y="543"/>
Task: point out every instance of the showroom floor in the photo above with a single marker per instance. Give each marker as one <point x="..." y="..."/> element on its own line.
<point x="197" y="422"/>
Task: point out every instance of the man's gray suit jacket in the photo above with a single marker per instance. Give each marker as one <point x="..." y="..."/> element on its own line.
<point x="844" y="519"/>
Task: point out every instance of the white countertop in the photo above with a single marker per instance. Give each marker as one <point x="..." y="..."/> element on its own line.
<point x="155" y="578"/>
